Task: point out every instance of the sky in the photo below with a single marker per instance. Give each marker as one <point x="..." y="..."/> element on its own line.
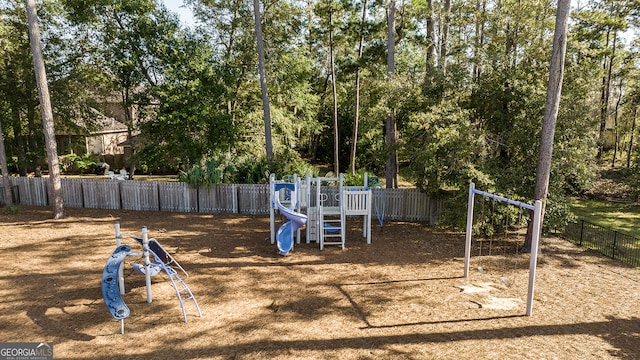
<point x="186" y="16"/>
<point x="177" y="6"/>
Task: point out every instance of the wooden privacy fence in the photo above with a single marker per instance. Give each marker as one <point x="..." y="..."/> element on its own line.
<point x="399" y="204"/>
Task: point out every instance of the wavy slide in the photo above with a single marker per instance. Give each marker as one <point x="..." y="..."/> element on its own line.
<point x="284" y="236"/>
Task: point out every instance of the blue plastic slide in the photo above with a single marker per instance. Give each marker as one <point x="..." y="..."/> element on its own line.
<point x="284" y="236"/>
<point x="110" y="289"/>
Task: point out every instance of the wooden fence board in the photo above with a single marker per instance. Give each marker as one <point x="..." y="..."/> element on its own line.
<point x="416" y="206"/>
<point x="253" y="199"/>
<point x="14" y="191"/>
<point x="399" y="204"/>
<point x="139" y="195"/>
<point x="72" y="190"/>
<point x="218" y="198"/>
<point x="177" y="197"/>
<point x="101" y="194"/>
<point x="33" y="191"/>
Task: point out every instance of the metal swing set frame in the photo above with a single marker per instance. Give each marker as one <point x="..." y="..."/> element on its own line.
<point x="533" y="260"/>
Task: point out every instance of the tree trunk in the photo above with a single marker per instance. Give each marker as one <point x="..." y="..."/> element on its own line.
<point x="6" y="186"/>
<point x="356" y="115"/>
<point x="615" y="126"/>
<point x="481" y="7"/>
<point x="444" y="37"/>
<point x="554" y="91"/>
<point x="55" y="196"/>
<point x="18" y="140"/>
<point x="390" y="124"/>
<point x="431" y="47"/>
<point x="230" y="45"/>
<point x="336" y="138"/>
<point x="16" y="125"/>
<point x="263" y="81"/>
<point x="605" y="93"/>
<point x="130" y="154"/>
<point x="633" y="134"/>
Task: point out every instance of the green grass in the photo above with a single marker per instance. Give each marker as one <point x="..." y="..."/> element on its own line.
<point x="623" y="217"/>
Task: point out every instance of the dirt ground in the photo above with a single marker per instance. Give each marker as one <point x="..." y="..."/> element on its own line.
<point x="402" y="297"/>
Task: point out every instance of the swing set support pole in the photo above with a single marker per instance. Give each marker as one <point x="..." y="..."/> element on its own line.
<point x="537" y="215"/>
<point x="121" y="268"/>
<point x="469" y="229"/>
<point x="147" y="262"/>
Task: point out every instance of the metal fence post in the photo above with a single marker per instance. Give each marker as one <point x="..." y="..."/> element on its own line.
<point x="615" y="240"/>
<point x="581" y="231"/>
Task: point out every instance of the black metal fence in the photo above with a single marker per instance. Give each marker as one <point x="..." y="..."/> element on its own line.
<point x="614" y="244"/>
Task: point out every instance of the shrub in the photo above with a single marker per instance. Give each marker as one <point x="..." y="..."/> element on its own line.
<point x="11" y="209"/>
<point x="72" y="163"/>
<point x="229" y="168"/>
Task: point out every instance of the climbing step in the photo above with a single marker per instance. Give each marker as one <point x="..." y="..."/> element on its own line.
<point x="179" y="286"/>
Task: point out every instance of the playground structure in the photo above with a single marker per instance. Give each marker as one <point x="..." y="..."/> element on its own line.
<point x="379" y="204"/>
<point x="113" y="274"/>
<point x="536" y="208"/>
<point x="415" y="306"/>
<point x="325" y="209"/>
<point x="286" y="192"/>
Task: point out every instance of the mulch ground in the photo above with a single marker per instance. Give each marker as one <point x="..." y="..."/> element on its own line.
<point x="402" y="297"/>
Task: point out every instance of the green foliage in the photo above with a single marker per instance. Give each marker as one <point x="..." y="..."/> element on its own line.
<point x="632" y="181"/>
<point x="289" y="163"/>
<point x="357" y="179"/>
<point x="72" y="163"/>
<point x="252" y="171"/>
<point x="215" y="170"/>
<point x="620" y="216"/>
<point x="11" y="209"/>
<point x="492" y="217"/>
<point x="557" y="212"/>
<point x="196" y="94"/>
<point x="67" y="161"/>
<point x="445" y="149"/>
<point x="19" y="107"/>
<point x="228" y="168"/>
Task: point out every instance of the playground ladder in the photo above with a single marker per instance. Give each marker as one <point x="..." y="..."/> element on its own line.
<point x="180" y="287"/>
<point x="331" y="218"/>
<point x="332" y="227"/>
<point x="312" y="225"/>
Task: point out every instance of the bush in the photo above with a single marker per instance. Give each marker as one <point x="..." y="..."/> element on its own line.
<point x="228" y="168"/>
<point x="11" y="209"/>
<point x="557" y="213"/>
<point x="215" y="170"/>
<point x="289" y="163"/>
<point x="357" y="179"/>
<point x="72" y="163"/>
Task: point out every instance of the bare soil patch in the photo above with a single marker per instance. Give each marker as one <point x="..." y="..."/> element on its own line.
<point x="402" y="297"/>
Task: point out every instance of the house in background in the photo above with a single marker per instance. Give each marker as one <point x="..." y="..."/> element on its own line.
<point x="108" y="140"/>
